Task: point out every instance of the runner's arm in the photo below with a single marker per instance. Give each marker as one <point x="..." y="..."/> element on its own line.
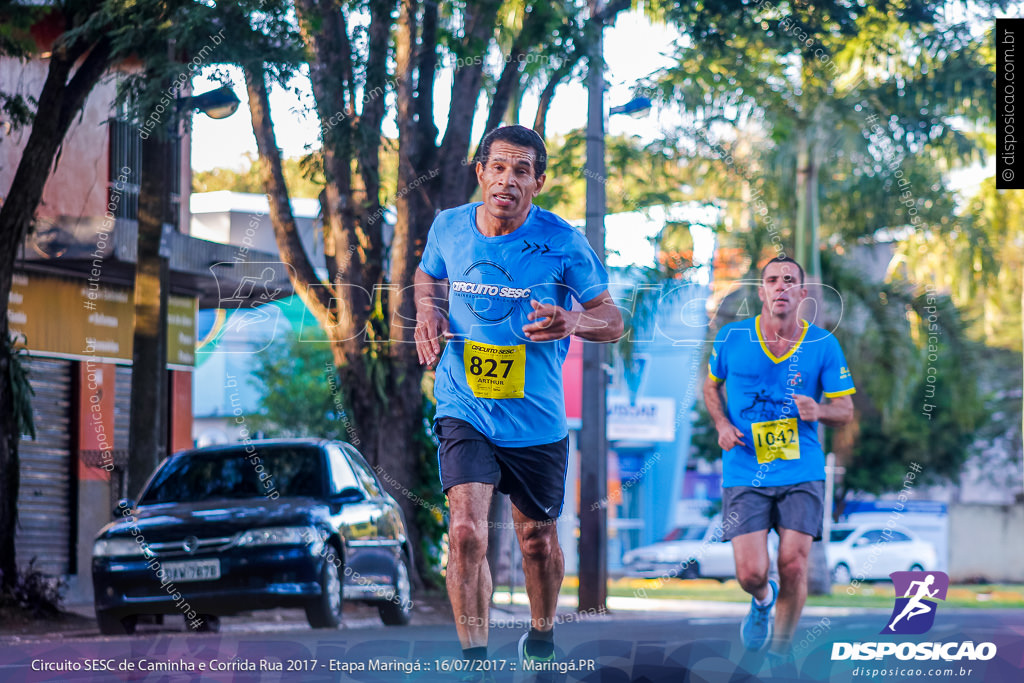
<point x="837" y="412"/>
<point x="599" y="321"/>
<point x="728" y="435"/>
<point x="431" y="321"/>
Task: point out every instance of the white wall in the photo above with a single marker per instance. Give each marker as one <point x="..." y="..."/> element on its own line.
<point x="986" y="541"/>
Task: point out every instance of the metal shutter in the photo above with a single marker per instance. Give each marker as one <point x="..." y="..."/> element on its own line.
<point x="44" y="497"/>
<point x="122" y="428"/>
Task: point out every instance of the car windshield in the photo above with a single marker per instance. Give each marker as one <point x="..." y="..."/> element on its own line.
<point x="694" y="532"/>
<point x="237" y="473"/>
<point x="839" y="535"/>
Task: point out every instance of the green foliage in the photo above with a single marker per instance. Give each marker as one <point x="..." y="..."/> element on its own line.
<point x="432" y="513"/>
<point x="300" y="396"/>
<point x="918" y="398"/>
<point x="299" y="390"/>
<point x="302" y="175"/>
<point x="636" y="175"/>
<point x="18" y="110"/>
<point x="15" y="353"/>
<point x="35" y="592"/>
<point x="202" y="35"/>
<point x="863" y="90"/>
<point x="979" y="262"/>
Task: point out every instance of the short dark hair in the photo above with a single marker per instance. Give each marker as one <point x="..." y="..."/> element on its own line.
<point x="520" y="136"/>
<point x="782" y="258"/>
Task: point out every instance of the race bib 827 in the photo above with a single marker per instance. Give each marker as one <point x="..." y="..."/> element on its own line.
<point x="495" y="371"/>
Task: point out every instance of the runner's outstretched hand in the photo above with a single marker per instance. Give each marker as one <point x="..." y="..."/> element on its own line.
<point x="553" y="322"/>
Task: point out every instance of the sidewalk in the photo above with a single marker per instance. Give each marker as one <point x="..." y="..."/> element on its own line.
<point x="697" y="608"/>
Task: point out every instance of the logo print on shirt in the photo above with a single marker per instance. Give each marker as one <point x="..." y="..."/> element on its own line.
<point x="489" y="302"/>
<point x="762" y="407"/>
<point x="534" y="248"/>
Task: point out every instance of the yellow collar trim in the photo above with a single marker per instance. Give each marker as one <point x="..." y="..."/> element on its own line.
<point x="767" y="351"/>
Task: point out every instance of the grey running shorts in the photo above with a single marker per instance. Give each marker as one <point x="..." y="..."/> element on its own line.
<point x="799" y="507"/>
<point x="532" y="476"/>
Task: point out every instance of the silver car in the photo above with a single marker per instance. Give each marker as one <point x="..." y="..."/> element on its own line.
<point x="873" y="551"/>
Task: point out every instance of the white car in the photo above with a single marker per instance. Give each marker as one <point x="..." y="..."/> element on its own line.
<point x="688" y="552"/>
<point x="873" y="551"/>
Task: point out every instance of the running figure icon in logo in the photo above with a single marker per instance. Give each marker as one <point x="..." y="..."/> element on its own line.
<point x="919" y="590"/>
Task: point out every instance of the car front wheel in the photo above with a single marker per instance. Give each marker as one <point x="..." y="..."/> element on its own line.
<point x="841" y="574"/>
<point x="116" y="625"/>
<point x="690" y="571"/>
<point x="398" y="610"/>
<point x="325" y="610"/>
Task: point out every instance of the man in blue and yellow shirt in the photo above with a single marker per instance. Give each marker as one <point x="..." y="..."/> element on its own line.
<point x="775" y="370"/>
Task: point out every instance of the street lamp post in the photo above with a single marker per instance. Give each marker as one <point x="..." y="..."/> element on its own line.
<point x="593" y="544"/>
<point x="148" y="430"/>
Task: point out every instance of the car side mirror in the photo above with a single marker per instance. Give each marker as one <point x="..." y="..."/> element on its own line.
<point x="348" y="495"/>
<point x="124" y="505"/>
<point x="860" y="543"/>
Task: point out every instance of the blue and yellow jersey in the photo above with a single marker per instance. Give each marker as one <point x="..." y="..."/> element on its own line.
<point x="780" y="448"/>
<point x="490" y="375"/>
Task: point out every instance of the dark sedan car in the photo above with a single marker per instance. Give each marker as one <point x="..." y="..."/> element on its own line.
<point x="255" y="525"/>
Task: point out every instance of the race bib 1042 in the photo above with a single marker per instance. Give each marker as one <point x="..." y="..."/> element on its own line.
<point x="776" y="439"/>
<point x="495" y="371"/>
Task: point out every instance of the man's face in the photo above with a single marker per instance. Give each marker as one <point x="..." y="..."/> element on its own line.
<point x="508" y="182"/>
<point x="781" y="290"/>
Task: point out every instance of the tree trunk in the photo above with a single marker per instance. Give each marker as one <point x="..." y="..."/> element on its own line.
<point x="500" y="538"/>
<point x="10" y="472"/>
<point x="803" y="237"/>
<point x="147" y="440"/>
<point x="819" y="578"/>
<point x="58" y="103"/>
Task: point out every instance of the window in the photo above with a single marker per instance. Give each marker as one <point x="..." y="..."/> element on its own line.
<point x="687" y="533"/>
<point x="839" y="535"/>
<point x="125" y="172"/>
<point x="872" y="536"/>
<point x="342" y="476"/>
<point x="364" y="472"/>
<point x="238" y="473"/>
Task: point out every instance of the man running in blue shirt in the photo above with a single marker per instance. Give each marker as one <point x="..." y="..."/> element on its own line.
<point x="509" y="272"/>
<point x="775" y="369"/>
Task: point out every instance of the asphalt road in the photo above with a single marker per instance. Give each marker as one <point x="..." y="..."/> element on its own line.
<point x="697" y="646"/>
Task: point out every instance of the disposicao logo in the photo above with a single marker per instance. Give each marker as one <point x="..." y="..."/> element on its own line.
<point x="914" y="613"/>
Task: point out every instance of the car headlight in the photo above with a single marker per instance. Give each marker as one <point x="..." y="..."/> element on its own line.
<point x="283" y="535"/>
<point x="119" y="547"/>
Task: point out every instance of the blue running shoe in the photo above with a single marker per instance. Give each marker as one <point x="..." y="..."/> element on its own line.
<point x="756" y="629"/>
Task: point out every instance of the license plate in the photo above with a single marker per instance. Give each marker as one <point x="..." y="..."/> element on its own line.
<point x="195" y="570"/>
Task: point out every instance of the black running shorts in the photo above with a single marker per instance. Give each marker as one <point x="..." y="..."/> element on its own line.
<point x="532" y="476"/>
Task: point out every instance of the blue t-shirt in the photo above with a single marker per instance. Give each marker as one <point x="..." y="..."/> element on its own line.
<point x="780" y="448"/>
<point x="490" y="375"/>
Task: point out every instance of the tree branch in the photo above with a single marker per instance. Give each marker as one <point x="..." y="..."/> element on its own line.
<point x="466" y="84"/>
<point x="307" y="285"/>
<point x="548" y="94"/>
<point x="369" y="135"/>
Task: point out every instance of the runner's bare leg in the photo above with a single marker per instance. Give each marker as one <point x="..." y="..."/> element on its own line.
<point x="543" y="567"/>
<point x="468" y="577"/>
<point x="750" y="552"/>
<point x="794" y="548"/>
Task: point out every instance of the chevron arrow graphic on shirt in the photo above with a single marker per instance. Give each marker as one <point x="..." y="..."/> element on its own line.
<point x="534" y="248"/>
